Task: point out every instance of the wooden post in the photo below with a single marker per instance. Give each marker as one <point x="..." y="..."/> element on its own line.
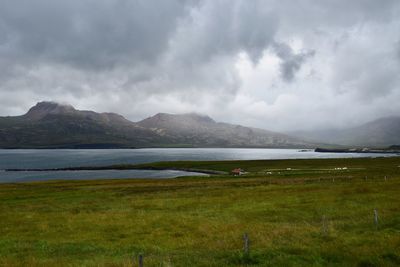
<point x="140" y="260"/>
<point x="324" y="228"/>
<point x="246" y="244"/>
<point x="376" y="217"/>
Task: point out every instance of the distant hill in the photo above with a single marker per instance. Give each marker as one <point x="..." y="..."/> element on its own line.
<point x="200" y="130"/>
<point x="53" y="125"/>
<point x="382" y="132"/>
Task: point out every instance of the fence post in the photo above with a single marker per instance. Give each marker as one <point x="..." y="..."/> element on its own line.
<point x="376" y="218"/>
<point x="246" y="244"/>
<point x="324" y="228"/>
<point x="140" y="260"/>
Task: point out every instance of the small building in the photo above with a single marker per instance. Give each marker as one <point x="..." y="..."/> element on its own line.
<point x="237" y="171"/>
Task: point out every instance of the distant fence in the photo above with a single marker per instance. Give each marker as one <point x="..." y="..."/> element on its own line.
<point x="245" y="257"/>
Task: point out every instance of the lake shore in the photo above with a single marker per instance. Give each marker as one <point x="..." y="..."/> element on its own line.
<point x="358" y="150"/>
<point x="64" y="164"/>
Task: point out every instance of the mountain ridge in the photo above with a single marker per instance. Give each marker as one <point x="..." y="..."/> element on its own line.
<point x="53" y="125"/>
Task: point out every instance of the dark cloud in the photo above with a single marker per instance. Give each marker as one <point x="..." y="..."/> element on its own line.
<point x="291" y="62"/>
<point x="267" y="59"/>
<point x="89" y="33"/>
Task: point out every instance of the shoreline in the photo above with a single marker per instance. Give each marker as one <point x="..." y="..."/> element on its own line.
<point x="177" y="165"/>
<point x="357" y="150"/>
<point x="118" y="168"/>
<point x="217" y="169"/>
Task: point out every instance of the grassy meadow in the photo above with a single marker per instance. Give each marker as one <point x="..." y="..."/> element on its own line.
<point x="295" y="212"/>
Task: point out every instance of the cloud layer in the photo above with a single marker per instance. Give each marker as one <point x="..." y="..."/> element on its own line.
<point x="280" y="65"/>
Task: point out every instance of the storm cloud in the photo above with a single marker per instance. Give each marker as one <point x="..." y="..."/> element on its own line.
<point x="280" y="65"/>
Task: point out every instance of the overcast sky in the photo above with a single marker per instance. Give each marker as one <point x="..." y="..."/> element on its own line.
<point x="274" y="64"/>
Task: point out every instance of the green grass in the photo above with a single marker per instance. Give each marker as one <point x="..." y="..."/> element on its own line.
<point x="200" y="221"/>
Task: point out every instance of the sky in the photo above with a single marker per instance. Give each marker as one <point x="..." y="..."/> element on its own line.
<point x="281" y="65"/>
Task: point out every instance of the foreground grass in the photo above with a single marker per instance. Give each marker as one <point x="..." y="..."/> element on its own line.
<point x="200" y="221"/>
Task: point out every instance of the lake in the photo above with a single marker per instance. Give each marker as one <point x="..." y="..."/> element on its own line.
<point x="62" y="158"/>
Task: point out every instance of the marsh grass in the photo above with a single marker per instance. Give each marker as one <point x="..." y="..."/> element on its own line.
<point x="200" y="221"/>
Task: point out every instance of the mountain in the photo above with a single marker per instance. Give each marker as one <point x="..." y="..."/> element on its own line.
<point x="53" y="125"/>
<point x="200" y="130"/>
<point x="382" y="132"/>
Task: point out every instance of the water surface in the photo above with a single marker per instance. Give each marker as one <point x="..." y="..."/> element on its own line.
<point x="30" y="176"/>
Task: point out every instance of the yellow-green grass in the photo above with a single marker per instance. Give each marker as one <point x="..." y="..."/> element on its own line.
<point x="197" y="221"/>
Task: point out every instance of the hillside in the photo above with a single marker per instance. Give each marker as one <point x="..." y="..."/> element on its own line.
<point x="382" y="132"/>
<point x="201" y="130"/>
<point x="52" y="125"/>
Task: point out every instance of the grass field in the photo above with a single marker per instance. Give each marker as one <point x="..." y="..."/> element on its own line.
<point x="296" y="213"/>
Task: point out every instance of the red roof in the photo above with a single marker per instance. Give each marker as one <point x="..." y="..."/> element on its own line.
<point x="237" y="170"/>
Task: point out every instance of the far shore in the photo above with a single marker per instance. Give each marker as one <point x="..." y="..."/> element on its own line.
<point x="358" y="150"/>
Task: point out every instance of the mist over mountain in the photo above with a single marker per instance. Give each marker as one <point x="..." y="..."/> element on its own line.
<point x="53" y="125"/>
<point x="377" y="133"/>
